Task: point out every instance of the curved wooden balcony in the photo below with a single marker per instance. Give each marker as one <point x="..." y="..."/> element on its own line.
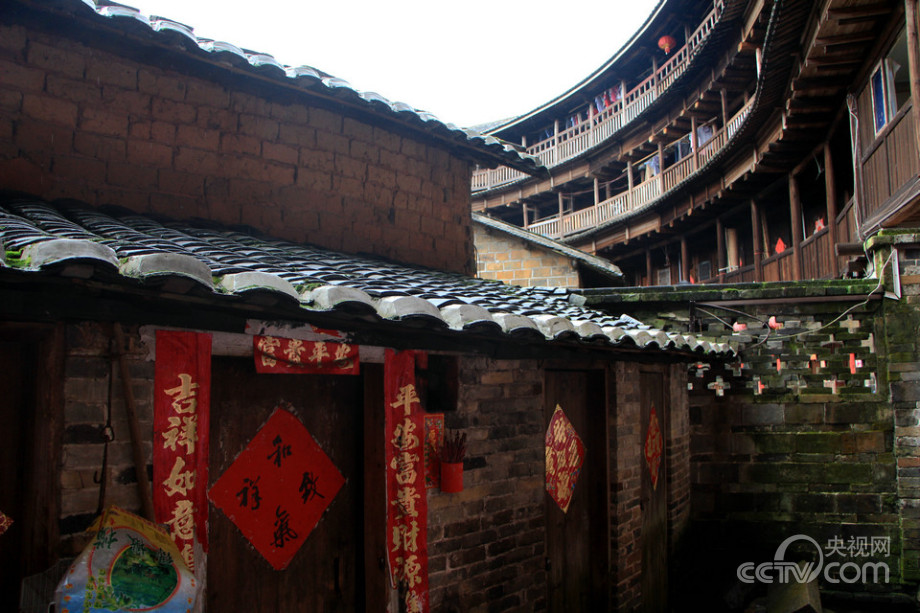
<point x="600" y="126"/>
<point x="642" y="194"/>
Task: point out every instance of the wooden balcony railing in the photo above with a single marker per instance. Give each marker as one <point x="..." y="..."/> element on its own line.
<point x="642" y="194"/>
<point x="890" y="163"/>
<point x="577" y="139"/>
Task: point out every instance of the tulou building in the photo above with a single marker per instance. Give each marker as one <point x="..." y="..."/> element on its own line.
<point x="727" y="141"/>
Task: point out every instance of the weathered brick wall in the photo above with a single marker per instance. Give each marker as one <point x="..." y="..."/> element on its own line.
<point x="93" y="383"/>
<point x="79" y="122"/>
<point x="512" y="260"/>
<point x="627" y="464"/>
<point x="487" y="544"/>
<point x="817" y="430"/>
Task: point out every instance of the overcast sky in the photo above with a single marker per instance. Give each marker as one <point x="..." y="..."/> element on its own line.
<point x="467" y="62"/>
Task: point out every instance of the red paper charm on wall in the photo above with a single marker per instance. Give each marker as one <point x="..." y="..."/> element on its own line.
<point x="278" y="488"/>
<point x="434" y="438"/>
<point x="294" y="356"/>
<point x="5" y="522"/>
<point x="565" y="453"/>
<point x="653" y="447"/>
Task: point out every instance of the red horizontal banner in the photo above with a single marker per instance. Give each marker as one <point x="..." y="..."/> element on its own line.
<point x="297" y="357"/>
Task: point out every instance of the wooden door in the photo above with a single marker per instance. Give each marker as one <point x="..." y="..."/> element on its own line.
<point x="327" y="573"/>
<point x="654" y="500"/>
<point x="15" y="406"/>
<point x="577" y="553"/>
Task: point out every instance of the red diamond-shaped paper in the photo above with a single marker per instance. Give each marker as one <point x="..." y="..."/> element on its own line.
<point x="653" y="447"/>
<point x="278" y="488"/>
<point x="565" y="453"/>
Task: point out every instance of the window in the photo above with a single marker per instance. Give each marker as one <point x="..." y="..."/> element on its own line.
<point x="890" y="84"/>
<point x="705" y="270"/>
<point x="664" y="276"/>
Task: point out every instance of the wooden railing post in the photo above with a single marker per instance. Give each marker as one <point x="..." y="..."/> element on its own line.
<point x="830" y="189"/>
<point x="795" y="213"/>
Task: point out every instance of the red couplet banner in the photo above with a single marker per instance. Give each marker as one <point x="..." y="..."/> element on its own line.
<point x="293" y="356"/>
<point x="181" y="425"/>
<point x="407" y="502"/>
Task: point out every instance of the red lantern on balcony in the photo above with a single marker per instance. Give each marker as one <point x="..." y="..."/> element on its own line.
<point x="666" y="43"/>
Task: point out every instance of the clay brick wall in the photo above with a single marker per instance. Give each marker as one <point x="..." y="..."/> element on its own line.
<point x="84" y="123"/>
<point x="816" y="431"/>
<point x="487" y="543"/>
<point x="512" y="260"/>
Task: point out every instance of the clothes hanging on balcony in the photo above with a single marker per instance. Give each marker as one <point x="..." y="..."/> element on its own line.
<point x="703" y="134"/>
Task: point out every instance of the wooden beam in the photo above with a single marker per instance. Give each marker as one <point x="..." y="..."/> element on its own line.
<point x="845" y="39"/>
<point x="866" y="10"/>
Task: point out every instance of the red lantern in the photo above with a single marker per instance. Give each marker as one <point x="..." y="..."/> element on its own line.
<point x="666" y="43"/>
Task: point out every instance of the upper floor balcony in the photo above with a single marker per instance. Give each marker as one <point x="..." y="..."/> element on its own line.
<point x="613" y="110"/>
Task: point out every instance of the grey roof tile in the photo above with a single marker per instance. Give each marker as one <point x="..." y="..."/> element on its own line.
<point x="200" y="256"/>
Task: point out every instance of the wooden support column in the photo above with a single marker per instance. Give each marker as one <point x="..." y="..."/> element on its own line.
<point x="684" y="260"/>
<point x="561" y="213"/>
<point x="555" y="141"/>
<point x="607" y="191"/>
<point x="795" y="213"/>
<point x="629" y="183"/>
<point x="720" y="249"/>
<point x="830" y="188"/>
<point x="597" y="192"/>
<point x="524" y="211"/>
<point x="660" y="168"/>
<point x="655" y="74"/>
<point x="758" y="241"/>
<point x="648" y="267"/>
<point x="694" y="144"/>
<point x="724" y="95"/>
<point x="912" y="16"/>
<point x="524" y="142"/>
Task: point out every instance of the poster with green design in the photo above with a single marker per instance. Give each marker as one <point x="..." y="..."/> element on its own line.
<point x="130" y="565"/>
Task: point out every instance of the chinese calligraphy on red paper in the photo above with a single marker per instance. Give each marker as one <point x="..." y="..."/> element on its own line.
<point x="278" y="488"/>
<point x="182" y="383"/>
<point x="407" y="508"/>
<point x="565" y="453"/>
<point x="653" y="447"/>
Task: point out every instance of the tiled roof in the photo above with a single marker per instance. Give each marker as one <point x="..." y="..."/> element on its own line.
<point x="486" y="150"/>
<point x="39" y="237"/>
<point x="600" y="265"/>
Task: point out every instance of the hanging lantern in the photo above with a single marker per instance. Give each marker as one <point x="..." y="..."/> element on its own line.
<point x="666" y="43"/>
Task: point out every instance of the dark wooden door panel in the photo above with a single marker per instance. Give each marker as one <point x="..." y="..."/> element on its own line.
<point x="576" y="541"/>
<point x="327" y="573"/>
<point x="654" y="500"/>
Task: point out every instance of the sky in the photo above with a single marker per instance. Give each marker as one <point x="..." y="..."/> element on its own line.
<point x="467" y="62"/>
